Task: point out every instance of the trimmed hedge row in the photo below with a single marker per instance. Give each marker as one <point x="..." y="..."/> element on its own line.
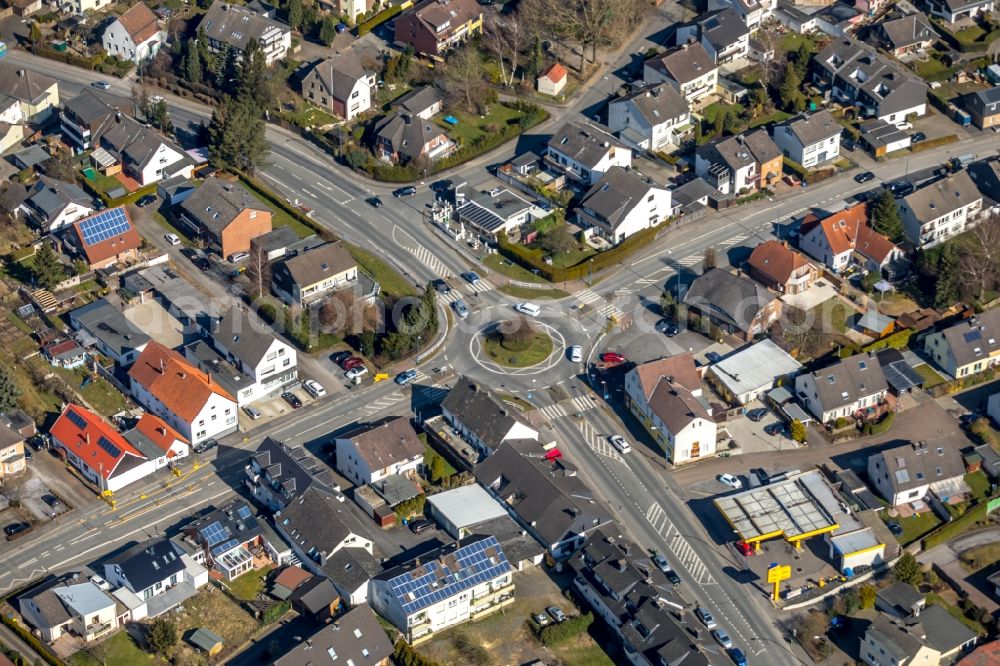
<point x="279" y="202"/>
<point x="32" y="640"/>
<point x="898" y="340"/>
<point x="94" y="63"/>
<point x="532" y="259"/>
<point x="379" y="19"/>
<point x="933" y="143"/>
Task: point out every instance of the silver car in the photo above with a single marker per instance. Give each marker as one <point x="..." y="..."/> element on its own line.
<point x="706" y="618"/>
<point x="461" y="309"/>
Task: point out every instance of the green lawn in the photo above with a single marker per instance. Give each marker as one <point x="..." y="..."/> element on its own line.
<point x="970" y="35"/>
<point x="979" y="484"/>
<point x="513" y="271"/>
<point x="280" y="218"/>
<point x="105" y="184"/>
<point x="306" y="115"/>
<point x="776" y="117"/>
<point x="105" y="398"/>
<point x="956" y="613"/>
<point x="248" y="586"/>
<point x="391" y="281"/>
<point x="930" y="68"/>
<point x="530" y="294"/>
<point x="914" y="527"/>
<point x="931" y="378"/>
<point x="537" y="351"/>
<point x="713" y="110"/>
<point x="573" y="257"/>
<point x="574" y="655"/>
<point x="471" y="126"/>
<point x="429" y="452"/>
<point x="792" y="40"/>
<point x="119" y="650"/>
<point x="979" y="557"/>
<point x="18" y="322"/>
<point x="833" y="315"/>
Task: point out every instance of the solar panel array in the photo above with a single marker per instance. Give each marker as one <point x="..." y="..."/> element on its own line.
<point x="214" y="533"/>
<point x="972" y="336"/>
<point x="244" y="512"/>
<point x="229" y="545"/>
<point x="108" y="447"/>
<point x="77" y="420"/>
<point x="104" y="225"/>
<point x="435" y="581"/>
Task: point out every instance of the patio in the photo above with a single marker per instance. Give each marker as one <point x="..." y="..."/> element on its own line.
<point x="820" y="292"/>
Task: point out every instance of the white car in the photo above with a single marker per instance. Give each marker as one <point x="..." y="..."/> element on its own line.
<point x="315" y="389"/>
<point x="173" y="239"/>
<point x="723" y="638"/>
<point x="155" y="99"/>
<point x="619" y="443"/>
<point x="354" y="373"/>
<point x="252" y="412"/>
<point x="576" y="353"/>
<point x="237" y="257"/>
<point x="529" y="309"/>
<point x="100" y="582"/>
<point x="730" y="480"/>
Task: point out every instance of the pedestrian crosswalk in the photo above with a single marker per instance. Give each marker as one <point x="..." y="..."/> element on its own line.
<point x="429" y="394"/>
<point x="596" y="301"/>
<point x="427" y="258"/>
<point x="480" y="286"/>
<point x="578" y="404"/>
<point x="678" y="545"/>
<point x="729" y="242"/>
<point x="690" y="260"/>
<point x="599" y="444"/>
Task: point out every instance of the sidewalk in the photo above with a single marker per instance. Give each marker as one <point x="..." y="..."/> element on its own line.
<point x="9" y="638"/>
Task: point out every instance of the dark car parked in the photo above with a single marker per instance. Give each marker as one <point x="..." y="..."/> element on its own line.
<point x="206" y="445"/>
<point x="407" y="191"/>
<point x="14" y="529"/>
<point x="291" y="399"/>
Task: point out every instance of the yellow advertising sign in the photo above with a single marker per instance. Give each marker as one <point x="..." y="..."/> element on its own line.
<point x="778" y="574"/>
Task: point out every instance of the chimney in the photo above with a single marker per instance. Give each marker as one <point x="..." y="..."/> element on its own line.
<point x="87" y="436"/>
<point x="162" y="369"/>
<point x="208" y="375"/>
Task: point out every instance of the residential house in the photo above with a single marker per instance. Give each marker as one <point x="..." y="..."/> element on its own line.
<point x="281" y="242"/>
<point x="753" y="12"/>
<point x="73" y="607"/>
<point x="666" y="397"/>
<point x="689" y="68"/>
<point x="498" y="212"/>
<point x="941" y="210"/>
<point x="984" y="107"/>
<point x="106" y="328"/>
<point x="303" y="278"/>
<point x="185" y="397"/>
<point x="329" y="541"/>
<point x="341" y="85"/>
<point x="750" y="372"/>
<point x="849" y="387"/>
<point x="85" y="117"/>
<point x="231" y="26"/>
<point x="402" y="138"/>
<point x="623" y="203"/>
<point x="354" y="9"/>
<point x="654" y="118"/>
<point x="106" y="238"/>
<point x="779" y="267"/>
<point x="151" y="436"/>
<point x="12" y="460"/>
<point x="424" y="102"/>
<point x="277" y="474"/>
<point x="722" y="32"/>
<point x="968" y="347"/>
<point x="880" y="138"/>
<point x="933" y="637"/>
<point x="466" y="580"/>
<point x="25" y="8"/>
<point x="986" y="175"/>
<point x="434" y="27"/>
<point x="139" y="152"/>
<point x="583" y="154"/>
<point x="37" y="93"/>
<point x="377" y="450"/>
<point x="98" y="450"/>
<point x="953" y="11"/>
<point x="481" y="418"/>
<point x="135" y="35"/>
<point x="735" y="304"/>
<point x="545" y="496"/>
<point x="268" y="363"/>
<point x="226" y="215"/>
<point x="638" y="604"/>
<point x="899" y="599"/>
<point x="316" y="599"/>
<point x="739" y="164"/>
<point x="858" y="75"/>
<point x="552" y="80"/>
<point x="158" y="572"/>
<point x="909" y="472"/>
<point x="356" y="637"/>
<point x="842" y="238"/>
<point x="52" y="204"/>
<point x="906" y="34"/>
<point x="64" y="353"/>
<point x="985" y="654"/>
<point x="462" y="511"/>
<point x="809" y="140"/>
<point x="82" y="6"/>
<point x="174" y="191"/>
<point x="233" y="540"/>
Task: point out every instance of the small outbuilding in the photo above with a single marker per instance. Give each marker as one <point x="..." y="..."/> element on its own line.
<point x="553" y="79"/>
<point x="207" y="641"/>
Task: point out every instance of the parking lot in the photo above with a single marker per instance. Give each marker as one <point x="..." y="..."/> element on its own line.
<point x="751" y="436"/>
<point x="45" y="492"/>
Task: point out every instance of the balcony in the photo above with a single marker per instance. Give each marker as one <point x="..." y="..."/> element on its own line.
<point x="496" y="603"/>
<point x="493" y="596"/>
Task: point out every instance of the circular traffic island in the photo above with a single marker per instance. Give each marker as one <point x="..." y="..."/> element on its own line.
<point x="516" y="343"/>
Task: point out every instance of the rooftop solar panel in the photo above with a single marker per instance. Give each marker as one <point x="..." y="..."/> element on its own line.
<point x="972" y="336"/>
<point x="244" y="512"/>
<point x="108" y="447"/>
<point x="214" y="533"/>
<point x="104" y="225"/>
<point x="77" y="420"/>
<point x="229" y="545"/>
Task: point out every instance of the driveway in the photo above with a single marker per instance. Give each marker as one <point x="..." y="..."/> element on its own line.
<point x="946" y="557"/>
<point x="820" y="292"/>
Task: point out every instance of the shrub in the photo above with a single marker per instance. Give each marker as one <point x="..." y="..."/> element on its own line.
<point x="898" y="340"/>
<point x="378" y="19"/>
<point x="274" y="612"/>
<point x="558" y="633"/>
<point x="405" y="655"/>
<point x="161" y="635"/>
<point x="841" y="422"/>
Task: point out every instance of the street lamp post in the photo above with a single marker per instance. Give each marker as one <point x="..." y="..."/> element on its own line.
<point x="417" y="360"/>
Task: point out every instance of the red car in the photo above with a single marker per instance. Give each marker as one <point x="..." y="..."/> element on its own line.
<point x="745" y="549"/>
<point x="352" y="362"/>
<point x="612" y="357"/>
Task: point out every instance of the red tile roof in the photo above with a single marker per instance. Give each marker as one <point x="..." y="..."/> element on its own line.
<point x="555" y="72"/>
<point x="984" y="655"/>
<point x="681" y="367"/>
<point x="179" y="386"/>
<point x="776" y="260"/>
<point x="111" y="247"/>
<point x="85" y="442"/>
<point x="873" y="245"/>
<point x="848" y="230"/>
<point x="139" y="22"/>
<point x="157" y="430"/>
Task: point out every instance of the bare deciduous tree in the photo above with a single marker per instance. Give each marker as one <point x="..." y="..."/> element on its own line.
<point x="258" y="270"/>
<point x="979" y="264"/>
<point x="343" y="314"/>
<point x="505" y="37"/>
<point x="587" y="23"/>
<point x="462" y="78"/>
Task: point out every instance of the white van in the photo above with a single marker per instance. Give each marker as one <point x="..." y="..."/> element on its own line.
<point x="529" y="309"/>
<point x="237" y="257"/>
<point x="314" y="387"/>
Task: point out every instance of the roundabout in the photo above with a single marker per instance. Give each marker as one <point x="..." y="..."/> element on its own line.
<point x="494" y="348"/>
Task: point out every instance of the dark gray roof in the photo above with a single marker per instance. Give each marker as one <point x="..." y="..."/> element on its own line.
<point x="204" y="639"/>
<point x="893" y="637"/>
<point x="941" y="197"/>
<point x="386" y="442"/>
<point x="581" y="144"/>
<point x="691" y="192"/>
<point x="810" y="129"/>
<point x="476" y="407"/>
<point x="12" y="195"/>
<point x="960" y="5"/>
<point x="849" y="379"/>
<point x="134" y="143"/>
<point x="878" y="133"/>
<point x="9" y="436"/>
<point x="235" y="521"/>
<point x="316" y="520"/>
<point x="656" y="104"/>
<point x="50" y="607"/>
<point x="245" y="340"/>
<point x="419" y="100"/>
<point x="280" y="238"/>
<point x="350" y="568"/>
<point x="235" y="25"/>
<point x="942" y="631"/>
<point x="984" y="102"/>
<point x="107" y="323"/>
<point x="908" y="30"/>
<point x="289" y="471"/>
<point x="614" y="196"/>
<point x="145" y="564"/>
<point x="986" y="175"/>
<point x="218" y="202"/>
<point x="314" y="264"/>
<point x="338" y="75"/>
<point x="407" y="134"/>
<point x="919" y="463"/>
<point x="879" y="80"/>
<point x="32" y="156"/>
<point x="722" y="28"/>
<point x="24" y="84"/>
<point x="852" y="484"/>
<point x="739" y="151"/>
<point x="315" y="595"/>
<point x="684" y="63"/>
<point x="93" y="105"/>
<point x="491" y="211"/>
<point x="48" y="197"/>
<point x="730" y="298"/>
<point x="545" y="494"/>
<point x="901" y="596"/>
<point x="355" y="637"/>
<point x="934" y="627"/>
